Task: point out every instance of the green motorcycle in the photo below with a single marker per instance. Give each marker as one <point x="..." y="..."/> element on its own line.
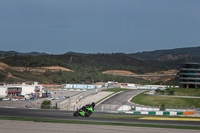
<point x="85" y="111"/>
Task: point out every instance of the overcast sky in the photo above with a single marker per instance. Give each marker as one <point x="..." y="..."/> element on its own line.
<point x="91" y="26"/>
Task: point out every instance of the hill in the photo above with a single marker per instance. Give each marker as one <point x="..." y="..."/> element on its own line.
<point x="86" y="68"/>
<point x="42" y="69"/>
<point x="103" y="62"/>
<point x="169" y="59"/>
<point x="12" y="53"/>
<point x="181" y="52"/>
<point x="21" y="74"/>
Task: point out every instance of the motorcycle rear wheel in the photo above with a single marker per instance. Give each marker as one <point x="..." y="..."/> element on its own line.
<point x="75" y="114"/>
<point x="87" y="114"/>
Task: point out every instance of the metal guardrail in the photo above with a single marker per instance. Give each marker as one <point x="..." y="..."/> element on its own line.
<point x="78" y="97"/>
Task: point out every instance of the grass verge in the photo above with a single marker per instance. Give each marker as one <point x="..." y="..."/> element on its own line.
<point x="98" y="123"/>
<point x="184" y="91"/>
<point x="114" y="90"/>
<point x="168" y="101"/>
<point x="104" y="98"/>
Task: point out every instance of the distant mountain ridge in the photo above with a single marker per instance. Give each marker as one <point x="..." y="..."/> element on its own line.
<point x="184" y="54"/>
<point x="157" y="54"/>
<point x="7" y="53"/>
<point x="145" y="55"/>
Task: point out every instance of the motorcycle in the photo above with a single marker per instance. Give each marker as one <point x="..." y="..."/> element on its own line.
<point x="84" y="112"/>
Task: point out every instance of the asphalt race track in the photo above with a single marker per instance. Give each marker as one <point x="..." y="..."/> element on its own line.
<point x="67" y="115"/>
<point x="122" y="98"/>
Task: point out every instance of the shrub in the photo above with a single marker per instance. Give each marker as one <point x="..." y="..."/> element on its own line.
<point x="46" y="104"/>
<point x="162" y="92"/>
<point x="171" y="92"/>
<point x="162" y="107"/>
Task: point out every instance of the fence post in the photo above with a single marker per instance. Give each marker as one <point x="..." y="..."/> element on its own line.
<point x="102" y="107"/>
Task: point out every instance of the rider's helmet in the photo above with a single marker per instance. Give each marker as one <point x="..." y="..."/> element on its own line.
<point x="93" y="104"/>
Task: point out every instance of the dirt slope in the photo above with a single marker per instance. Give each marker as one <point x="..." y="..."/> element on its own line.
<point x="4" y="66"/>
<point x="118" y="72"/>
<point x="124" y="72"/>
<point x="150" y="78"/>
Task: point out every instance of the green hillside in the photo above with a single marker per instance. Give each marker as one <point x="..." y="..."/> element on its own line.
<point x="153" y="54"/>
<point x="87" y="68"/>
<point x="31" y="61"/>
<point x="102" y="62"/>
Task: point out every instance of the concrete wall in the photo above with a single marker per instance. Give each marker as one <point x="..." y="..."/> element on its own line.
<point x="3" y="91"/>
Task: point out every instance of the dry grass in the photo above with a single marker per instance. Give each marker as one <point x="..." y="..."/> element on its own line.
<point x="4" y="66"/>
<point x="124" y="72"/>
<point x="56" y="68"/>
<point x="119" y="72"/>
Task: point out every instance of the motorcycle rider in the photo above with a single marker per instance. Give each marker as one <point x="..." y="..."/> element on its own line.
<point x="88" y="106"/>
<point x="86" y="110"/>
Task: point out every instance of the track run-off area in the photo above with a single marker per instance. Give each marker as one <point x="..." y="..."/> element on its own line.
<point x="102" y="118"/>
<point x="97" y="117"/>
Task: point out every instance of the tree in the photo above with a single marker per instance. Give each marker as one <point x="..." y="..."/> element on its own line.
<point x="158" y="90"/>
<point x="60" y="72"/>
<point x="47" y="73"/>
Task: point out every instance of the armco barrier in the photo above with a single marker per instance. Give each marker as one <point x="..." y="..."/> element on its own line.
<point x="159" y="112"/>
<point x="188" y="113"/>
<point x="78" y="97"/>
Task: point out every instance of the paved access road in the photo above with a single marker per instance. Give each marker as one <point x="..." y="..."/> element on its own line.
<point x="117" y="100"/>
<point x="122" y="98"/>
<point x="67" y="115"/>
<point x="8" y="126"/>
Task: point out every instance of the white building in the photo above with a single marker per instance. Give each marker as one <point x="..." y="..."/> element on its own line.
<point x="3" y="91"/>
<point x="24" y="90"/>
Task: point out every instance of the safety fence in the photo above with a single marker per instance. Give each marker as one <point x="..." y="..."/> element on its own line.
<point x="110" y="108"/>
